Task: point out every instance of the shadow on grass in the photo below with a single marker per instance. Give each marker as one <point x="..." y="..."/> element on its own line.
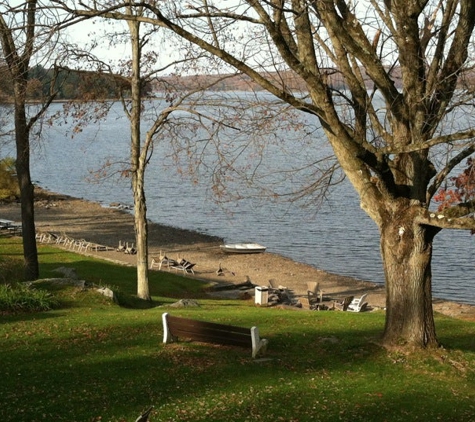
<point x="124" y="278"/>
<point x="454" y="334"/>
<point x="16" y="254"/>
<point x="9" y="318"/>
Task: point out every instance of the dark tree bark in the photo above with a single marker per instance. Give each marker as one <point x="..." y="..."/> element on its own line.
<point x="22" y="139"/>
<point x="18" y="59"/>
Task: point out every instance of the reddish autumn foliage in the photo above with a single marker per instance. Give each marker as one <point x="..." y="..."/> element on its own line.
<point x="462" y="188"/>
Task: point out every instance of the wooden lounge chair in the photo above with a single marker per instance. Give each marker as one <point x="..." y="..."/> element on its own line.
<point x="343" y="305"/>
<point x="273" y="286"/>
<point x="315" y="295"/>
<point x="276" y="288"/>
<point x="306" y="303"/>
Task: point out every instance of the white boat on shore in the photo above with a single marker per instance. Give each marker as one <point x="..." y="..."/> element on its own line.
<point x="243" y="248"/>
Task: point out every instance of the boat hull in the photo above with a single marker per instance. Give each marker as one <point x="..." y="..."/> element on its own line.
<point x="243" y="248"/>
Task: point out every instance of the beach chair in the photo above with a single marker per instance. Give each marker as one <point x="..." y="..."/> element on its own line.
<point x="276" y="288"/>
<point x="77" y="245"/>
<point x="121" y="247"/>
<point x="46" y="237"/>
<point x="315" y="295"/>
<point x="282" y="293"/>
<point x="130" y="249"/>
<point x="144" y="417"/>
<point x="163" y="260"/>
<point x="273" y="286"/>
<point x="154" y="263"/>
<point x="62" y="239"/>
<point x="306" y="303"/>
<point x="84" y="246"/>
<point x="359" y="304"/>
<point x="185" y="266"/>
<point x="343" y="305"/>
<point x="97" y="247"/>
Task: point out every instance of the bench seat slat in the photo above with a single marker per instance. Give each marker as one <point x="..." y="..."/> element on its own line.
<point x="185" y="322"/>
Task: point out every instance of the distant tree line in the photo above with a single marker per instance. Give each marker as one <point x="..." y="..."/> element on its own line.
<point x="89" y="86"/>
<point x="69" y="84"/>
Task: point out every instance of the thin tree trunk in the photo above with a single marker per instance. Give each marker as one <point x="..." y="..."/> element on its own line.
<point x="138" y="169"/>
<point x="407" y="254"/>
<point x="22" y="138"/>
<point x="141" y="236"/>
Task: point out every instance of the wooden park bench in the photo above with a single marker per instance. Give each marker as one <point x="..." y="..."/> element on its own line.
<point x="210" y="332"/>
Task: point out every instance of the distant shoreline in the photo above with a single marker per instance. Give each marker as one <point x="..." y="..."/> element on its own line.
<point x="83" y="219"/>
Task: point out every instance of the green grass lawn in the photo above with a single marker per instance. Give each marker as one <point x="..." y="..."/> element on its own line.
<point x="93" y="360"/>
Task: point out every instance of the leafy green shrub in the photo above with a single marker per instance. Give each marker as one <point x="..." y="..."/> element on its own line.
<point x="23" y="298"/>
<point x="8" y="181"/>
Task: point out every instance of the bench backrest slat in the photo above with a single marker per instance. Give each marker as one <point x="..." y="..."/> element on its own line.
<point x="209" y="331"/>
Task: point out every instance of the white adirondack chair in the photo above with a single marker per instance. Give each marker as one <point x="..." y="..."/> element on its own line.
<point x="358" y="304"/>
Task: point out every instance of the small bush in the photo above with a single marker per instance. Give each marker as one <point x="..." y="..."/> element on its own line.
<point x="8" y="181"/>
<point x="11" y="270"/>
<point x="22" y="298"/>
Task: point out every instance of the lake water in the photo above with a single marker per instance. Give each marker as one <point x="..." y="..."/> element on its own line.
<point x="340" y="238"/>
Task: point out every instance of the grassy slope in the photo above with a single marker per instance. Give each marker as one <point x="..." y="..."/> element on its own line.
<point x="92" y="360"/>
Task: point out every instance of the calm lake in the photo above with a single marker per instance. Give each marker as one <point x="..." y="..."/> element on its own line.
<point x="340" y="238"/>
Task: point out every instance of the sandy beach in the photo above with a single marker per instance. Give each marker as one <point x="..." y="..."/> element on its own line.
<point x="80" y="219"/>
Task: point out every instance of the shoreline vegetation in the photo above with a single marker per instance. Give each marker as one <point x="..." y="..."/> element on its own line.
<point x="81" y="219"/>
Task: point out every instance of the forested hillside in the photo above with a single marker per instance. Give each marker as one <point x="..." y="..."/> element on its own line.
<point x="67" y="84"/>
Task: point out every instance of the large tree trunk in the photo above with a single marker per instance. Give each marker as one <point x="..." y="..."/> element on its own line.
<point x="407" y="252"/>
<point x="22" y="138"/>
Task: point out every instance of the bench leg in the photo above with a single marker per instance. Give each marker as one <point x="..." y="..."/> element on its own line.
<point x="167" y="335"/>
<point x="259" y="346"/>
